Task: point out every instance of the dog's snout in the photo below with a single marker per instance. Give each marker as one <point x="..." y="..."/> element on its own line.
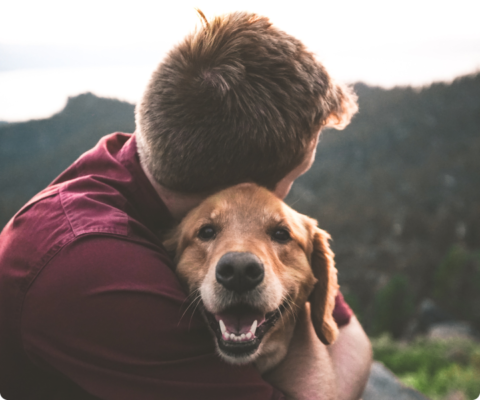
<point x="239" y="272"/>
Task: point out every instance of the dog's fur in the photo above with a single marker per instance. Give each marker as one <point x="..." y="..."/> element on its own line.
<point x="245" y="218"/>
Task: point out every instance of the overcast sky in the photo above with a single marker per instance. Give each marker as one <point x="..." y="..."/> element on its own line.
<point x="379" y="42"/>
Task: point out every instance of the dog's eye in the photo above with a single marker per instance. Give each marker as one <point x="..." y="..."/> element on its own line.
<point x="281" y="235"/>
<point x="207" y="232"/>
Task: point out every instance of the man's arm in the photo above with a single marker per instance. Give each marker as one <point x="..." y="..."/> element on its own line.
<point x="314" y="371"/>
<point x="351" y="355"/>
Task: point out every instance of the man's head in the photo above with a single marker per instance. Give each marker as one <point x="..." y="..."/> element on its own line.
<point x="238" y="100"/>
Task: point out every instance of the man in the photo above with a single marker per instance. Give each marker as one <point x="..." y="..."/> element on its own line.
<point x="89" y="303"/>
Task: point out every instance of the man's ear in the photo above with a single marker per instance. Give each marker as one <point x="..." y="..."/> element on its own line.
<point x="342" y="106"/>
<point x="322" y="298"/>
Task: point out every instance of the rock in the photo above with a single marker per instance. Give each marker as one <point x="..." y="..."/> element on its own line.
<point x="384" y="385"/>
<point x="457" y="395"/>
<point x="451" y="330"/>
<point x="428" y="315"/>
<point x="434" y="323"/>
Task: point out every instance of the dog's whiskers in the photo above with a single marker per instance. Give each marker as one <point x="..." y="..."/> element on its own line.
<point x="190" y="295"/>
<point x="196" y="299"/>
<point x="289" y="302"/>
<point x="281" y="317"/>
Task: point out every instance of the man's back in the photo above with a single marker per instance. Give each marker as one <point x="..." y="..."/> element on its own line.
<point x="83" y="276"/>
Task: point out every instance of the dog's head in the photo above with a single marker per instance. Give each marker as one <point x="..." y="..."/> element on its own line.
<point x="254" y="262"/>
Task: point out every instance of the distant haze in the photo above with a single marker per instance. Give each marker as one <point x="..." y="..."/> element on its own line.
<point x="50" y="50"/>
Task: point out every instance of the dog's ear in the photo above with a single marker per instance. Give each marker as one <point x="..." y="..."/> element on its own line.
<point x="322" y="298"/>
<point x="171" y="241"/>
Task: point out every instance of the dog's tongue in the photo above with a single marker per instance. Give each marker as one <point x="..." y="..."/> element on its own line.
<point x="240" y="320"/>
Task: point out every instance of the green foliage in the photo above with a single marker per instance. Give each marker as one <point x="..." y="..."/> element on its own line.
<point x="448" y="277"/>
<point x="434" y="368"/>
<point x="393" y="307"/>
<point x="457" y="283"/>
<point x="354" y="302"/>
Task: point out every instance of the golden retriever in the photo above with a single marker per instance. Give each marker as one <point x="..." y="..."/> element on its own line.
<point x="252" y="262"/>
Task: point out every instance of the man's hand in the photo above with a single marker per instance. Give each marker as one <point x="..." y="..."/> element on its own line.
<point x="314" y="371"/>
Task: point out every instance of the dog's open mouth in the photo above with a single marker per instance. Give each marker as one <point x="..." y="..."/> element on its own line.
<point x="240" y="329"/>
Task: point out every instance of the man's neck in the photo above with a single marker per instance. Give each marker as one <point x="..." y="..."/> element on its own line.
<point x="179" y="204"/>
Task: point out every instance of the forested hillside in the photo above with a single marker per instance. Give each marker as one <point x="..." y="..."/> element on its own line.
<point x="33" y="153"/>
<point x="399" y="191"/>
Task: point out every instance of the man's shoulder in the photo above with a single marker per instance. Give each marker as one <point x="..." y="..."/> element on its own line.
<point x="93" y="206"/>
<point x="70" y="209"/>
<point x="48" y="223"/>
<point x="96" y="195"/>
<point x="93" y="190"/>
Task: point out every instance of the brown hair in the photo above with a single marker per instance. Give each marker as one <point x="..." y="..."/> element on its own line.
<point x="237" y="100"/>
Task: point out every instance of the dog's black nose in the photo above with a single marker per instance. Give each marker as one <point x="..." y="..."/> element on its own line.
<point x="239" y="272"/>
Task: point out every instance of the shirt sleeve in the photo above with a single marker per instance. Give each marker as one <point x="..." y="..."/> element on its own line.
<point x="109" y="314"/>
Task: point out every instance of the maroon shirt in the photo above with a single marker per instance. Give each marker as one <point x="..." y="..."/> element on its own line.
<point x="90" y="306"/>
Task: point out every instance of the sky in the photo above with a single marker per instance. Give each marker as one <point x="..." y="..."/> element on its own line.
<point x="52" y="49"/>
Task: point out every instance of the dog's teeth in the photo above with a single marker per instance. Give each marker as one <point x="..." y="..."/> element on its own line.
<point x="222" y="327"/>
<point x="231" y="337"/>
<point x="254" y="327"/>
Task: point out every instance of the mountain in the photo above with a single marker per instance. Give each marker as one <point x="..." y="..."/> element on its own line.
<point x="33" y="153"/>
<point x="398" y="190"/>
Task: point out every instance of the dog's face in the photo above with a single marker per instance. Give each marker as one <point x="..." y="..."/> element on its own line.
<point x="254" y="262"/>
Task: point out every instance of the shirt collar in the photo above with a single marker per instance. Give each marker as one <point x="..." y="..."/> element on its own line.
<point x="146" y="200"/>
